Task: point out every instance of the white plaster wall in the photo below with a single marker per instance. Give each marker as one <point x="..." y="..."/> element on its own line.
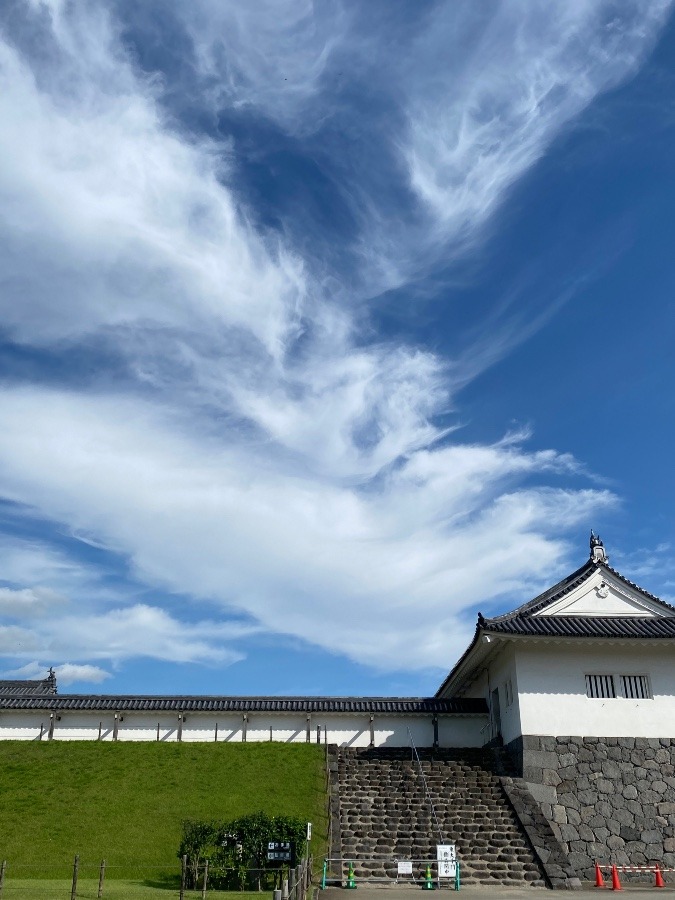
<point x="456" y="731"/>
<point x="344" y="730"/>
<point x="553" y="698"/>
<point x="502" y="668"/>
<point x="495" y="673"/>
<point x="22" y="726"/>
<point x="286" y="729"/>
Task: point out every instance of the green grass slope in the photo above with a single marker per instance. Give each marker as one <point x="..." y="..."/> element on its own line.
<point x="125" y="801"/>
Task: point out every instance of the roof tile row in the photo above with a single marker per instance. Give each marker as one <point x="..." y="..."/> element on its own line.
<point x="406" y="705"/>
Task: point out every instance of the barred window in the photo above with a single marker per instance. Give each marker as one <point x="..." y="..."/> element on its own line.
<point x="600" y="686"/>
<point x="636" y="687"/>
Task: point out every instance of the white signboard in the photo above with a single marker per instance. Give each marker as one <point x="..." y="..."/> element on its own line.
<point x="405" y="867"/>
<point x="447" y="860"/>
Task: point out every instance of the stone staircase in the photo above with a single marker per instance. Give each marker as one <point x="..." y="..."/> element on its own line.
<point x="385" y="814"/>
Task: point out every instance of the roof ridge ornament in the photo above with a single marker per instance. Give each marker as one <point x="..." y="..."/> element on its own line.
<point x="598" y="553"/>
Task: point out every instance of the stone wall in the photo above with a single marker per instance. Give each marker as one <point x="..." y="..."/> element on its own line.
<point x="607" y="799"/>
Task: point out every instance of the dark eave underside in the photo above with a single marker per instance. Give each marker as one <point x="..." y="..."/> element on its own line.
<point x="393" y="705"/>
<point x="586" y="626"/>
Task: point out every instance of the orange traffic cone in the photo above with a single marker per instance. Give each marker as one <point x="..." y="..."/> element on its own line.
<point x="599" y="880"/>
<point x="658" y="877"/>
<point x="616" y="884"/>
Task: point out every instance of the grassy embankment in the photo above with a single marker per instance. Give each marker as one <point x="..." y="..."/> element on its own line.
<point x="125" y="802"/>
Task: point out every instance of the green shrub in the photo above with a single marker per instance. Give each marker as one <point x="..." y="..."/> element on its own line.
<point x="237" y="850"/>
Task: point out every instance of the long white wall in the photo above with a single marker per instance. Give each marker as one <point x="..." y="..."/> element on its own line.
<point x="344" y="730"/>
<point x="552" y="689"/>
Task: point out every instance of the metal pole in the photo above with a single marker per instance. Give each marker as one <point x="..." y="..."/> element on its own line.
<point x="76" y="866"/>
<point x="101" y="878"/>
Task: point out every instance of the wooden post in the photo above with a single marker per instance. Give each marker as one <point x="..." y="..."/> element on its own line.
<point x="3" y="866"/>
<point x="158" y="731"/>
<point x="206" y="878"/>
<point x="50" y="736"/>
<point x="270" y="732"/>
<point x="308" y="736"/>
<point x="216" y="737"/>
<point x="244" y="727"/>
<point x="179" y="736"/>
<point x="291" y="884"/>
<point x="116" y="726"/>
<point x="100" y="730"/>
<point x="372" y="730"/>
<point x="42" y="730"/>
<point x="101" y="878"/>
<point x="435" y="724"/>
<point x="183" y="869"/>
<point x="318" y="734"/>
<point x="76" y="866"/>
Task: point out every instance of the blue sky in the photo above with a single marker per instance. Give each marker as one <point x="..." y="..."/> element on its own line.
<point x="325" y="325"/>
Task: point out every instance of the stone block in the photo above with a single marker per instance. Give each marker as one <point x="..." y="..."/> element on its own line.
<point x="559" y="814"/>
<point x="666" y="809"/>
<point x="573" y="816"/>
<point x="542" y="759"/>
<point x="610" y="769"/>
<point x="614" y="842"/>
<point x="651" y="837"/>
<point x="630" y="792"/>
<point x="585" y="833"/>
<point x="569" y="833"/>
<point x="629" y="833"/>
<point x="605" y="786"/>
<point x="551" y="777"/>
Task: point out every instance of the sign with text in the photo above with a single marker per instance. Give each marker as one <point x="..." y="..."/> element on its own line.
<point x="447" y="860"/>
<point x="405" y="867"/>
<point x="279" y="851"/>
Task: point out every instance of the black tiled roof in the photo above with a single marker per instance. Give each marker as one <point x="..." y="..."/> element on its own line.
<point x="569" y="584"/>
<point x="585" y="626"/>
<point x="524" y="621"/>
<point x="103" y="702"/>
<point x="26" y="688"/>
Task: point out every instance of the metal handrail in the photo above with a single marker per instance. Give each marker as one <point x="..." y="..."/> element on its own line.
<point x="426" y="787"/>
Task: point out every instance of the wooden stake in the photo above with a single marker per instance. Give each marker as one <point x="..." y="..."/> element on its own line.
<point x="2" y="875"/>
<point x="101" y="878"/>
<point x="183" y="867"/>
<point x="76" y="866"/>
<point x="206" y="878"/>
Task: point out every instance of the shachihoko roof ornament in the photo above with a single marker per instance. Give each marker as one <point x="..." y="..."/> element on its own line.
<point x="598" y="553"/>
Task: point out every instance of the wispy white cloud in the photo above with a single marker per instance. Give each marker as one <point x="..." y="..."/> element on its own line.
<point x="27" y="603"/>
<point x="285" y="463"/>
<point x="299" y="554"/>
<point x="66" y="674"/>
